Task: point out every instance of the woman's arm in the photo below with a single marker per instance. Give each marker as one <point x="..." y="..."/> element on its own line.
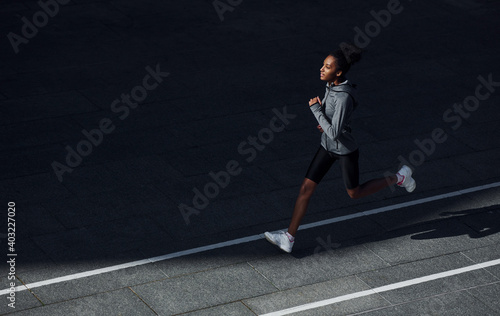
<point x="333" y="128"/>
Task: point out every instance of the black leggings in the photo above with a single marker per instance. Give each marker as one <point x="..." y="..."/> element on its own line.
<point x="323" y="160"/>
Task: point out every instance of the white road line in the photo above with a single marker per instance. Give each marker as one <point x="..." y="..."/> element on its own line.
<point x="384" y="288"/>
<point x="400" y="205"/>
<point x="243" y="240"/>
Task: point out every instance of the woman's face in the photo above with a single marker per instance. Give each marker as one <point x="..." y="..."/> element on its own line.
<point x="329" y="71"/>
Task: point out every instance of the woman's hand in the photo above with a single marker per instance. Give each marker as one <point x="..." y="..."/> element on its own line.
<point x="314" y="101"/>
<point x="319" y="128"/>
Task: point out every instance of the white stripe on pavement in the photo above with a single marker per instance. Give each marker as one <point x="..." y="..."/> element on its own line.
<point x="400" y="205"/>
<point x="244" y="239"/>
<point x="384" y="288"/>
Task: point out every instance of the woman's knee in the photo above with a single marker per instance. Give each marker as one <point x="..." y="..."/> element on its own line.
<point x="307" y="188"/>
<point x="354" y="193"/>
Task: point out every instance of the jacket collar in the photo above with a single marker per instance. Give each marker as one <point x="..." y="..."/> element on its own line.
<point x="344" y="86"/>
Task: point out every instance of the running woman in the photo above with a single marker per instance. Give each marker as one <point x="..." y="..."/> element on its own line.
<point x="337" y="143"/>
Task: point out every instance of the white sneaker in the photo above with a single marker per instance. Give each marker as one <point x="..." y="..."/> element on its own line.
<point x="408" y="182"/>
<point x="280" y="239"/>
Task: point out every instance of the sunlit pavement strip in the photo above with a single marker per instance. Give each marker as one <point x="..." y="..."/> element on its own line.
<point x="249" y="239"/>
<point x="384" y="288"/>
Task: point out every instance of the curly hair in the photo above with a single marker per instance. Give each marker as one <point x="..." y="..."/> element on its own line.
<point x="347" y="55"/>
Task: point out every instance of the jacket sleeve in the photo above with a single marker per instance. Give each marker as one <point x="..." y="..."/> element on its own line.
<point x="334" y="127"/>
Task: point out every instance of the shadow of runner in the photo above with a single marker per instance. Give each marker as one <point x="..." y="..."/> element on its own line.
<point x="483" y="221"/>
<point x="474" y="223"/>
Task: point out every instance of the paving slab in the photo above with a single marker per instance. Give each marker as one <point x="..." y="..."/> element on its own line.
<point x="332" y="236"/>
<point x="119" y="302"/>
<point x="90" y="180"/>
<point x="287" y="271"/>
<point x="110" y="205"/>
<point x="22" y="299"/>
<point x="78" y="212"/>
<point x="34" y="188"/>
<point x="143" y="117"/>
<point x="29" y="256"/>
<point x="115" y="146"/>
<point x="484" y="223"/>
<point x="196" y="291"/>
<point x="245" y="181"/>
<point x="457" y="303"/>
<point x="479" y="163"/>
<point x="208" y="260"/>
<point x="130" y="234"/>
<point x="219" y="216"/>
<point x="320" y="291"/>
<point x="26" y="108"/>
<point x="72" y="266"/>
<point x="188" y="162"/>
<point x="155" y="141"/>
<point x="483" y="254"/>
<point x="432" y="212"/>
<point x="422" y="268"/>
<point x="346" y="308"/>
<point x="232" y="309"/>
<point x="90" y="285"/>
<point x="486" y="113"/>
<point x="31" y="160"/>
<point x="425" y="241"/>
<point x="46" y="82"/>
<point x="455" y="175"/>
<point x="72" y="243"/>
<point x="106" y="238"/>
<point x="37" y="133"/>
<point x="103" y="96"/>
<point x="36" y="221"/>
<point x="219" y="154"/>
<point x="487" y="198"/>
<point x="488" y="294"/>
<point x="471" y="136"/>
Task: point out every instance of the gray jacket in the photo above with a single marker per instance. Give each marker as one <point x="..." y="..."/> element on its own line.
<point x="335" y="116"/>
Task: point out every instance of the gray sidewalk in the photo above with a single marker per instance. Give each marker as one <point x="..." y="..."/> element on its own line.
<point x="132" y="130"/>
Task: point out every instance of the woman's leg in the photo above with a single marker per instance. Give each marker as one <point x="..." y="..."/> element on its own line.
<point x="319" y="166"/>
<point x="306" y="191"/>
<point x="372" y="186"/>
<point x="350" y="172"/>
